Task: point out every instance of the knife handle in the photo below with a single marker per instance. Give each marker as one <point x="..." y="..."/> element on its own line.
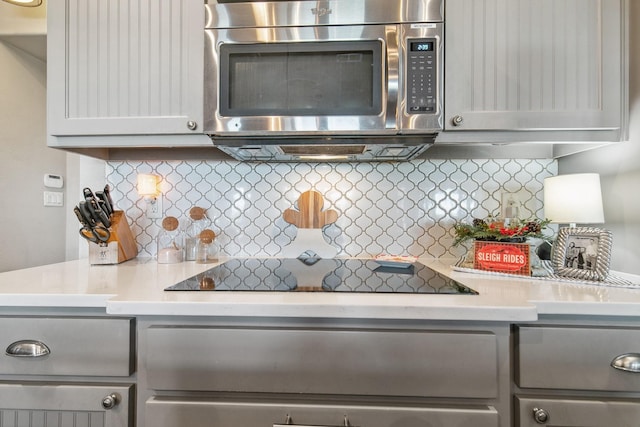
<point x="86" y="214"/>
<point x="80" y="216"/>
<point x="104" y="203"/>
<point x="107" y="195"/>
<point x="97" y="213"/>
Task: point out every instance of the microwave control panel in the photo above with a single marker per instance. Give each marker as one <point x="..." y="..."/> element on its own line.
<point x="421" y="76"/>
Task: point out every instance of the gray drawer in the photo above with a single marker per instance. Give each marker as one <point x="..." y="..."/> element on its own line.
<point x="358" y="362"/>
<point x="78" y="346"/>
<point x="577" y="358"/>
<point x="168" y="412"/>
<point x="61" y="405"/>
<point x="577" y="412"/>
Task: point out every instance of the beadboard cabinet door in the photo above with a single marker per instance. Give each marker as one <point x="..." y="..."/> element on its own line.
<point x="125" y="67"/>
<point x="66" y="405"/>
<point x="535" y="64"/>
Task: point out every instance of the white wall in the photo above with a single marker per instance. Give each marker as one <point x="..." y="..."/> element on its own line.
<point x="33" y="234"/>
<point x="82" y="171"/>
<point x="619" y="168"/>
<point x="30" y="234"/>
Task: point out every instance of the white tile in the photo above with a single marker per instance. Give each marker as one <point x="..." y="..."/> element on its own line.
<point x="405" y="208"/>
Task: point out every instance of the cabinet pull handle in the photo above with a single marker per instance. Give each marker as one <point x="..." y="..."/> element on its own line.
<point x="289" y="423"/>
<point x="110" y="401"/>
<point x="27" y="348"/>
<point x="541" y="416"/>
<point x="629" y="362"/>
<point x="457" y="120"/>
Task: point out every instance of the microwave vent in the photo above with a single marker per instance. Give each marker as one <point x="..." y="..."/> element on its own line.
<point x="323" y="150"/>
<point x="363" y="148"/>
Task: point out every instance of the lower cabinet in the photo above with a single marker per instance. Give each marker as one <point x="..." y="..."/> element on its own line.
<point x="67" y="370"/>
<point x="65" y="405"/>
<point x="176" y="412"/>
<point x="572" y="374"/>
<point x="577" y="412"/>
<point x="322" y="372"/>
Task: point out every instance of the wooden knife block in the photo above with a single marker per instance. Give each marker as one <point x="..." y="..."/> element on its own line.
<point x="120" y="247"/>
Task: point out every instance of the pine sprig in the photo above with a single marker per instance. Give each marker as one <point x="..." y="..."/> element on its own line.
<point x="493" y="230"/>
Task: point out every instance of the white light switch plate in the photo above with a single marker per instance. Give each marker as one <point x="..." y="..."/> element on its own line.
<point x="53" y="198"/>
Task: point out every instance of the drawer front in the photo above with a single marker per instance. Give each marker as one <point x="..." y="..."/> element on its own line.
<point x="167" y="412"/>
<point x="360" y="362"/>
<point x="568" y="412"/>
<point x="77" y="346"/>
<point x="577" y="358"/>
<point x="60" y="405"/>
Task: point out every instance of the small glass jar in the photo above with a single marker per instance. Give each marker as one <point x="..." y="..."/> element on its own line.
<point x="170" y="242"/>
<point x="198" y="222"/>
<point x="207" y="249"/>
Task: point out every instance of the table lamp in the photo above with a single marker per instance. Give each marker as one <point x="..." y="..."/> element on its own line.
<point x="582" y="253"/>
<point x="573" y="199"/>
<point x="26" y="3"/>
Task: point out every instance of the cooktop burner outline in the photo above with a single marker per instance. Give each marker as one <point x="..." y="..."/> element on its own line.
<point x="320" y="275"/>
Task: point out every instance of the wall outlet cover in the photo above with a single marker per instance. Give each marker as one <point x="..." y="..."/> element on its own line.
<point x="511" y="205"/>
<point x="154" y="207"/>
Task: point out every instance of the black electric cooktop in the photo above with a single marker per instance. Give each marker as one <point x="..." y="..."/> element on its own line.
<point x="320" y="275"/>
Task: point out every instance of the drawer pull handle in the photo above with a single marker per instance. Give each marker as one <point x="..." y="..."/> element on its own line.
<point x="110" y="401"/>
<point x="27" y="348"/>
<point x="289" y="423"/>
<point x="540" y="415"/>
<point x="629" y="362"/>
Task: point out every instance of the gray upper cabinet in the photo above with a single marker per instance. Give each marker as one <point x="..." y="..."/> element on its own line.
<point x="536" y="65"/>
<point x="125" y="67"/>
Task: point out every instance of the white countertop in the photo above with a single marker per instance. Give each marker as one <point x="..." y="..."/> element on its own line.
<point x="136" y="287"/>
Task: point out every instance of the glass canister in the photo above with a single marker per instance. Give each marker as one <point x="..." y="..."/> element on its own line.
<point x="170" y="242"/>
<point x="198" y="222"/>
<point x="207" y="250"/>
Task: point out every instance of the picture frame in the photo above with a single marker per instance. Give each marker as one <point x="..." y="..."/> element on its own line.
<point x="582" y="253"/>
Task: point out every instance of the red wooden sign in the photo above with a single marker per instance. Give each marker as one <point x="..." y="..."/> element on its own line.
<point x="512" y="258"/>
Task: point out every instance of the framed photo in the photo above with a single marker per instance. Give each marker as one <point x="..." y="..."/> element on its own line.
<point x="582" y="253"/>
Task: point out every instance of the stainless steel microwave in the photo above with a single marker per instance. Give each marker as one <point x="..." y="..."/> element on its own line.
<point x="282" y="77"/>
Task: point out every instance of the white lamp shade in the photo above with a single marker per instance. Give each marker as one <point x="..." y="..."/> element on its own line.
<point x="27" y="3"/>
<point x="572" y="199"/>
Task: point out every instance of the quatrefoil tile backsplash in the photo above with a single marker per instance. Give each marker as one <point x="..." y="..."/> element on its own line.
<point x="406" y="208"/>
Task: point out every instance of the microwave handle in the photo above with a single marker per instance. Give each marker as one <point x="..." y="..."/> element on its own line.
<point x="393" y="73"/>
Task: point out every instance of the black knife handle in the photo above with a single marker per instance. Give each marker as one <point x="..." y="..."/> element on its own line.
<point x="104" y="203"/>
<point x="97" y="213"/>
<point x="80" y="216"/>
<point x="87" y="193"/>
<point x="86" y="214"/>
<point x="107" y="195"/>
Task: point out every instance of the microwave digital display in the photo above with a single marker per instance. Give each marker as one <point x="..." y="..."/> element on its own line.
<point x="421" y="46"/>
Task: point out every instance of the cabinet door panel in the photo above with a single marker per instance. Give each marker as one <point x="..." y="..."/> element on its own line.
<point x="568" y="412"/>
<point x="359" y="362"/>
<point x="124" y="67"/>
<point x="168" y="412"/>
<point x="77" y="346"/>
<point x="568" y="358"/>
<point x="527" y="65"/>
<point x="39" y="405"/>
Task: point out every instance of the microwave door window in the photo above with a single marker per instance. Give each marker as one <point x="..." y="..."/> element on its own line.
<point x="302" y="79"/>
<point x="255" y="80"/>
